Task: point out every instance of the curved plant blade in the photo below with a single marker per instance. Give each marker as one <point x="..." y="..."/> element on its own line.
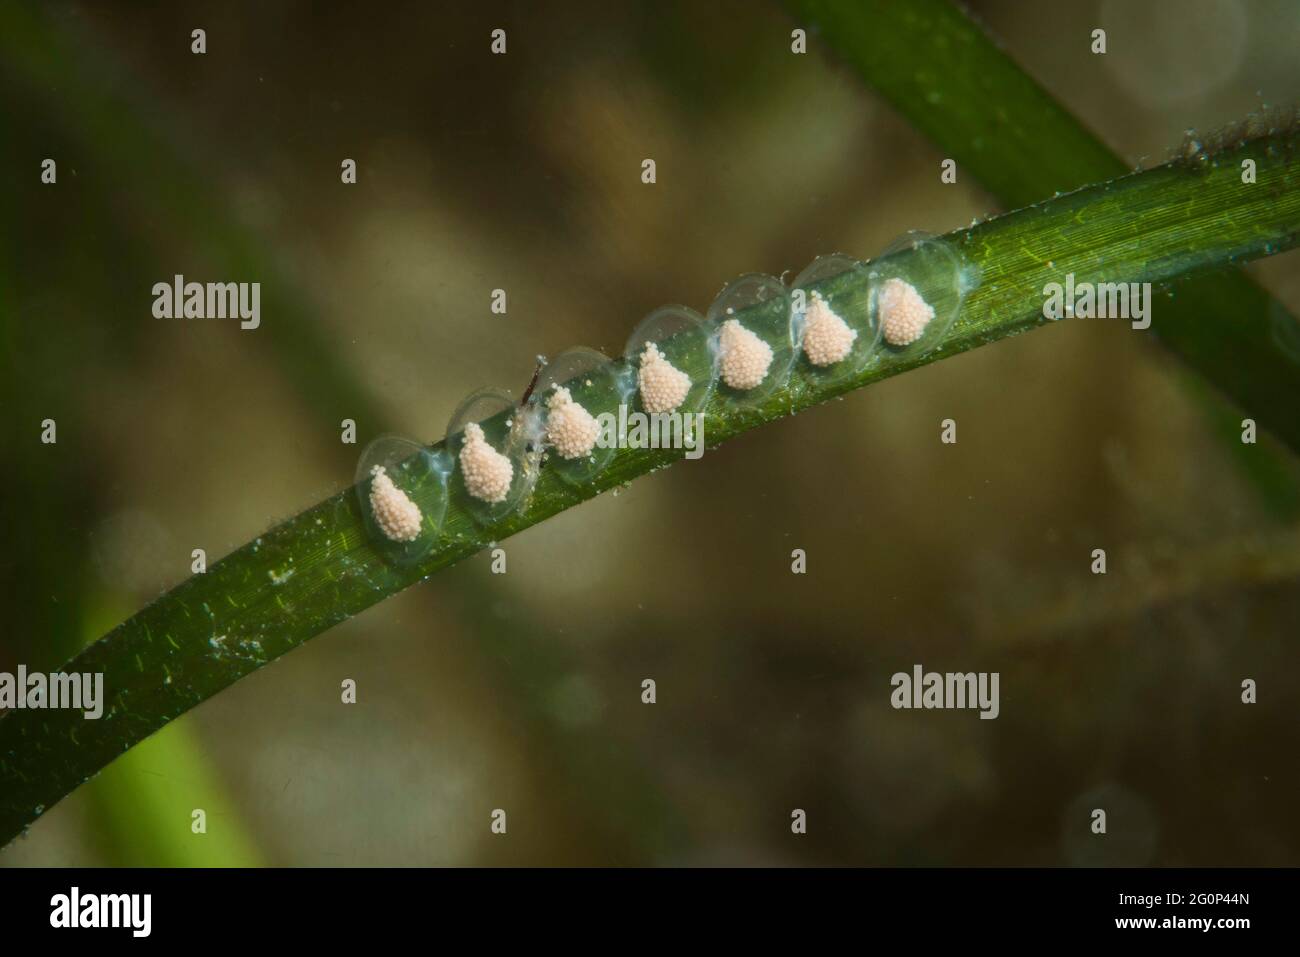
<point x="318" y="568"/>
<point x="39" y="49"/>
<point x="950" y="79"/>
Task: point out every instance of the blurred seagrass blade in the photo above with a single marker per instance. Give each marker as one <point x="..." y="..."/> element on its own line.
<point x="125" y="149"/>
<point x="1155" y="226"/>
<point x="951" y="80"/>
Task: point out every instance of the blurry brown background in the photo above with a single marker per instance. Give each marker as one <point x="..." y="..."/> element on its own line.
<point x="522" y="691"/>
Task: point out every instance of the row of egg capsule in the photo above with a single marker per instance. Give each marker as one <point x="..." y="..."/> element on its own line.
<point x="837" y="318"/>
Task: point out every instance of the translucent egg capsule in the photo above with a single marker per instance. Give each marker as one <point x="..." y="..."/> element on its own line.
<point x="918" y="286"/>
<point x="496" y="446"/>
<point x="752" y="338"/>
<point x="402" y="487"/>
<point x="672" y="359"/>
<point x="830" y="308"/>
<point x="578" y="397"/>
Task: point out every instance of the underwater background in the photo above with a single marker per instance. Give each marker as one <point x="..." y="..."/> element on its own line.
<point x="523" y="691"/>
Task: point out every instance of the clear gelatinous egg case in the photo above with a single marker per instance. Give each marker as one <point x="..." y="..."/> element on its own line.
<point x="918" y="286"/>
<point x="753" y="338"/>
<point x="833" y="321"/>
<point x="496" y="447"/>
<point x="671" y="360"/>
<point x="402" y="489"/>
<point x="578" y="398"/>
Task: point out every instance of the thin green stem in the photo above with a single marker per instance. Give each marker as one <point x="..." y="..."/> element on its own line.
<point x="319" y="568"/>
<point x="60" y="85"/>
<point x="954" y="83"/>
